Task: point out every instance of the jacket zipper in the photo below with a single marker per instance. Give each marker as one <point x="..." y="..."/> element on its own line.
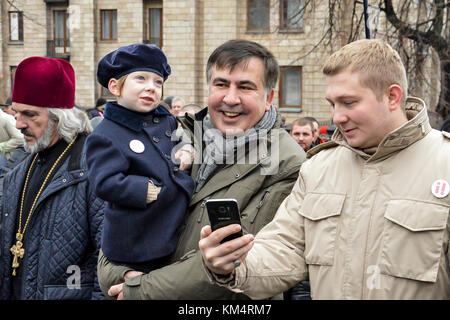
<point x="260" y="204"/>
<point x="202" y="205"/>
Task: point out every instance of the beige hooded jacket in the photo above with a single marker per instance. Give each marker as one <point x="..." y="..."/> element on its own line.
<point x="361" y="226"/>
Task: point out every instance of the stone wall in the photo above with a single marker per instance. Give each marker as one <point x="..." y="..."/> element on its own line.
<point x="34" y="39"/>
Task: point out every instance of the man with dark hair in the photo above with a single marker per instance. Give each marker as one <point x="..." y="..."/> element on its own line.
<point x="98" y="110"/>
<point x="316" y="130"/>
<point x="50" y="217"/>
<point x="368" y="217"/>
<point x="239" y="118"/>
<point x="100" y="104"/>
<point x="167" y="102"/>
<point x="303" y="133"/>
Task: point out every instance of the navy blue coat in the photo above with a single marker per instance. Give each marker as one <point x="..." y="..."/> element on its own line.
<point x="64" y="231"/>
<point x="135" y="231"/>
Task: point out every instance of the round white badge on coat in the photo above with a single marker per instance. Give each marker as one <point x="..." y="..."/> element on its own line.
<point x="137" y="146"/>
<point x="440" y="188"/>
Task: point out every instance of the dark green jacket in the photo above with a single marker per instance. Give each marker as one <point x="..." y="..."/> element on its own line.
<point x="258" y="194"/>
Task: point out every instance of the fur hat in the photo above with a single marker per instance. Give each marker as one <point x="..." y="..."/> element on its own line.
<point x="44" y="82"/>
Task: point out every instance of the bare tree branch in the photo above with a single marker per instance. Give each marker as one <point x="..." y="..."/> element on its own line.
<point x="11" y="3"/>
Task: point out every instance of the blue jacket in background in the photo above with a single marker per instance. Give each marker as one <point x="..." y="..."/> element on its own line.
<point x="63" y="236"/>
<point x="134" y="231"/>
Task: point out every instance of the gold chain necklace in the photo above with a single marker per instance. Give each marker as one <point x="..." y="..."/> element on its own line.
<point x="17" y="250"/>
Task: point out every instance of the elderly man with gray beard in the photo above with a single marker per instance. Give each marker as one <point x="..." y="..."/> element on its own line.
<point x="51" y="219"/>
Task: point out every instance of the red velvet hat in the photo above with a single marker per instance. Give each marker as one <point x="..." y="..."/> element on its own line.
<point x="44" y="82"/>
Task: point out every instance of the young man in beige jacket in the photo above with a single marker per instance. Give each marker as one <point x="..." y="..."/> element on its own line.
<point x="368" y="217"/>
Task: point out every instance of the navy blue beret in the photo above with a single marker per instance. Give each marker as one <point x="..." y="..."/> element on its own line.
<point x="131" y="58"/>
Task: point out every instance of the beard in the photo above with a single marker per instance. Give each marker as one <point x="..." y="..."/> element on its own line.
<point x="43" y="142"/>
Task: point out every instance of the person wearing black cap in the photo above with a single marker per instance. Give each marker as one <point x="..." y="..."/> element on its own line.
<point x="7" y="107"/>
<point x="98" y="110"/>
<point x="10" y="136"/>
<point x="130" y="162"/>
<point x="167" y="102"/>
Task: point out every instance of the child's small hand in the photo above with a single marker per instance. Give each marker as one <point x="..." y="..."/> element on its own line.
<point x="186" y="156"/>
<point x="152" y="191"/>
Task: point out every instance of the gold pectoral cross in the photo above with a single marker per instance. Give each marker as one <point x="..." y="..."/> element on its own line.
<point x="17" y="252"/>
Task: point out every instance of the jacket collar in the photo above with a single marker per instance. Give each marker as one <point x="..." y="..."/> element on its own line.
<point x="129" y="118"/>
<point x="188" y="120"/>
<point x="417" y="127"/>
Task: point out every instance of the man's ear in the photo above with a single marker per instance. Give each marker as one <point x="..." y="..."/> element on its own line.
<point x="269" y="99"/>
<point x="395" y="94"/>
<point x="113" y="87"/>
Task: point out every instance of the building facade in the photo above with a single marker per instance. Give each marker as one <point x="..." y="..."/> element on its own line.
<point x="83" y="31"/>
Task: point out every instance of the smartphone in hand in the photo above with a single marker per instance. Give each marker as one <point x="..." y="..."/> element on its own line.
<point x="223" y="212"/>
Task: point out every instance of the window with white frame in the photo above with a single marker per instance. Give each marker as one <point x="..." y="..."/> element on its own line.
<point x="15" y="26"/>
<point x="290" y="93"/>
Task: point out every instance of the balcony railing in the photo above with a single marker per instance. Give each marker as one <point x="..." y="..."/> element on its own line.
<point x="156" y="41"/>
<point x="58" y="49"/>
<point x="56" y="1"/>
